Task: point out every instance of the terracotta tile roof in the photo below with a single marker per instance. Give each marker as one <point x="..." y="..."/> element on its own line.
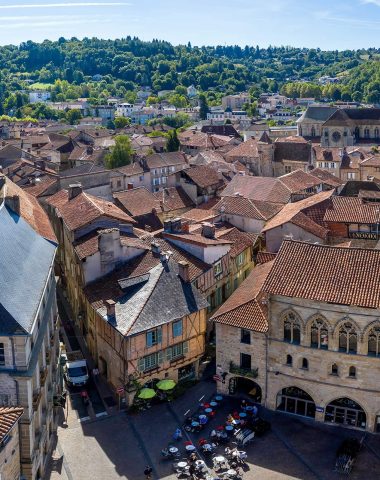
<point x="299" y="180"/>
<point x="331" y="154"/>
<point x="138" y="201"/>
<point x="241" y="241"/>
<point x="327" y="177"/>
<point x="264" y="257"/>
<point x="174" y="198"/>
<point x="204" y="140"/>
<point x="265" y="189"/>
<point x="89" y="244"/>
<point x="369" y="194"/>
<point x="345" y="276"/>
<point x="209" y="205"/>
<point x="243" y="309"/>
<point x="9" y="416"/>
<point x="199" y="215"/>
<point x="157" y="160"/>
<point x="245" y="207"/>
<point x="291" y="213"/>
<point x="132" y="169"/>
<point x="196" y="239"/>
<point x="42" y="184"/>
<point x="373" y="161"/>
<point x="84" y="209"/>
<point x="203" y="176"/>
<point x="31" y="211"/>
<point x="246" y="149"/>
<point x="352" y="210"/>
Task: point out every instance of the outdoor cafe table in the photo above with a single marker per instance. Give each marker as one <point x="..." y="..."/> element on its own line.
<point x="182" y="464"/>
<point x="208" y="410"/>
<point x="231" y="472"/>
<point x="218" y="398"/>
<point x="173" y="449"/>
<point x="195" y="424"/>
<point x="229" y="428"/>
<point x="200" y="463"/>
<point x="242" y="414"/>
<point x="213" y="404"/>
<point x="220" y="459"/>
<point x="190" y="448"/>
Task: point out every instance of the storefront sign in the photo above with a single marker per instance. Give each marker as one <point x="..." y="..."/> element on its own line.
<point x="364" y="235"/>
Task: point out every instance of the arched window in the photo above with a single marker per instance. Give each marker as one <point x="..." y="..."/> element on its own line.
<point x="319" y="334"/>
<point x="374" y="342"/>
<point x="334" y="369"/>
<point x="352" y="372"/>
<point x="313" y="131"/>
<point x="305" y="363"/>
<point x="289" y="360"/>
<point x="348" y="339"/>
<point x="292" y="329"/>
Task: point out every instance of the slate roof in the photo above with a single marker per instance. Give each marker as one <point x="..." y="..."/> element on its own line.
<point x="161" y="299"/>
<point x="353" y="187"/>
<point x="352" y="210"/>
<point x="26" y="260"/>
<point x="84" y="209"/>
<point x="292" y="149"/>
<point x="243" y="309"/>
<point x="157" y="160"/>
<point x="9" y="416"/>
<point x="85" y="169"/>
<point x="340" y="275"/>
<point x="225" y="130"/>
<point x="339" y="118"/>
<point x="317" y="113"/>
<point x="265" y="189"/>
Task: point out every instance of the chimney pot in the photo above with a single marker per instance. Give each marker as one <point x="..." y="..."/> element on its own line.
<point x="75" y="189"/>
<point x="184" y="271"/>
<point x="110" y="304"/>
<point x="208" y="230"/>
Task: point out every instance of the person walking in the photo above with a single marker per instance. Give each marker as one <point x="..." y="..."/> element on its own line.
<point x="148" y="472"/>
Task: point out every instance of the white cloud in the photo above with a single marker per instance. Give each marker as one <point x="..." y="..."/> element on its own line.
<point x="64" y="5"/>
<point x="373" y="2"/>
<point x="53" y="23"/>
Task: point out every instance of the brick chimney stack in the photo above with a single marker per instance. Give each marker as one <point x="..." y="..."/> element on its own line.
<point x="184" y="271"/>
<point x="110" y="304"/>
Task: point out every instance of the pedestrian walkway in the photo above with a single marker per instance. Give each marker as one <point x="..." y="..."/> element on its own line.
<point x="101" y="384"/>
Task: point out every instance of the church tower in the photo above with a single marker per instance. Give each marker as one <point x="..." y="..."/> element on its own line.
<point x="265" y="148"/>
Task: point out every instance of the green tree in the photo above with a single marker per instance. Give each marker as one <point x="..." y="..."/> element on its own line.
<point x="121" y="154"/>
<point x="172" y="144"/>
<point x="121" y="122"/>
<point x="203" y="107"/>
<point x="73" y="116"/>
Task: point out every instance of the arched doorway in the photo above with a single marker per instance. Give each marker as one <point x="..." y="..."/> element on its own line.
<point x="345" y="411"/>
<point x="297" y="401"/>
<point x="246" y="386"/>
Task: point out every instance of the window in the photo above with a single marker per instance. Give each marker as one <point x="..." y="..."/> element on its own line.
<point x="245" y="361"/>
<point x="332" y="165"/>
<point x="319" y="334"/>
<point x="289" y="360"/>
<point x="156" y="181"/>
<point x="218" y="268"/>
<point x="305" y="364"/>
<point x="154" y="337"/>
<point x="177" y="328"/>
<point x="288" y="169"/>
<point x="240" y="259"/>
<point x="366" y="133"/>
<point x="118" y="184"/>
<point x="172" y="169"/>
<point x="2" y="354"/>
<point x="292" y="329"/>
<point x="326" y="133"/>
<point x="352" y="372"/>
<point x="150" y="361"/>
<point x="163" y="180"/>
<point x="245" y="336"/>
<point x="351" y="175"/>
<point x="334" y="369"/>
<point x="312" y="131"/>
<point x="373" y="342"/>
<point x="376" y="133"/>
<point x="326" y="165"/>
<point x="347" y="338"/>
<point x="177" y="351"/>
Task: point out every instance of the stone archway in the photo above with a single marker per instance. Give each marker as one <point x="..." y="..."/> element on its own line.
<point x="296" y="401"/>
<point x="347" y="412"/>
<point x="244" y="385"/>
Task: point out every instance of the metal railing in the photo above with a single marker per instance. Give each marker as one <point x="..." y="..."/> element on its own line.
<point x="243" y="372"/>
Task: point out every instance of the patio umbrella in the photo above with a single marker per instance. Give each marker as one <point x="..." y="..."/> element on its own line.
<point x="166" y="384"/>
<point x="146" y="393"/>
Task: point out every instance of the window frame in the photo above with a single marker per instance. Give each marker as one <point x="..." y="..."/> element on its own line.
<point x="244" y="335"/>
<point x="2" y="354"/>
<point x="156" y="337"/>
<point x="175" y="325"/>
<point x="218" y="268"/>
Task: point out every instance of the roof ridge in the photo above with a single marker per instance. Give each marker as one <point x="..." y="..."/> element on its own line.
<point x="94" y="203"/>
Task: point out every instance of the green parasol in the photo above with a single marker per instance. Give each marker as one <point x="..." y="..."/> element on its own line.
<point x="146" y="393"/>
<point x="166" y="384"/>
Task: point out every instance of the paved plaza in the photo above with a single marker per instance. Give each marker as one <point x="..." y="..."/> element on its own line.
<point x="118" y="445"/>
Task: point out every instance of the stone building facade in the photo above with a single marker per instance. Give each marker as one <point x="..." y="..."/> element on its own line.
<point x="9" y="443"/>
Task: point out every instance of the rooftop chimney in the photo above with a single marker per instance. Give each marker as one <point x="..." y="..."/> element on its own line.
<point x="184" y="271"/>
<point x="208" y="230"/>
<point x="2" y="180"/>
<point x="130" y="186"/>
<point x="110" y="304"/>
<point x="156" y="249"/>
<point x="13" y="203"/>
<point x="75" y="189"/>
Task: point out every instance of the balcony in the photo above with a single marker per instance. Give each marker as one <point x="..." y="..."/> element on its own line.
<point x="36" y="398"/>
<point x="243" y="372"/>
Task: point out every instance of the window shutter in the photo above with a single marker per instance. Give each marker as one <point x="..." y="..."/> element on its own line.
<point x="185" y="347"/>
<point x="159" y="335"/>
<point x="149" y="339"/>
<point x="169" y="353"/>
<point x="160" y="357"/>
<point x="141" y="364"/>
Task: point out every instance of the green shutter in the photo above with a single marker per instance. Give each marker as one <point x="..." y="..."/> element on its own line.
<point x="185" y="347"/>
<point x="159" y="335"/>
<point x="160" y="357"/>
<point x="141" y="364"/>
<point x="169" y="353"/>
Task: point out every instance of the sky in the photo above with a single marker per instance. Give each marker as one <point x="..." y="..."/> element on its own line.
<point x="327" y="24"/>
